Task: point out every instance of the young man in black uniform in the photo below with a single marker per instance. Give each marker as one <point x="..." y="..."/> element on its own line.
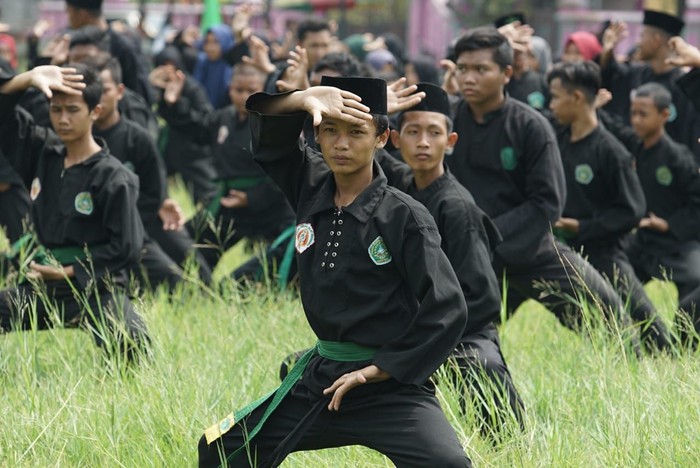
<point x="83" y="210"/>
<point x="468" y="238"/>
<point x="507" y="157"/>
<point x="683" y="123"/>
<point x="248" y="204"/>
<point x="604" y="199"/>
<point x="667" y="243"/>
<point x="376" y="288"/>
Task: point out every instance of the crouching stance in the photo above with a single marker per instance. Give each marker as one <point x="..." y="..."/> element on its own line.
<point x="83" y="207"/>
<point x="376" y="288"/>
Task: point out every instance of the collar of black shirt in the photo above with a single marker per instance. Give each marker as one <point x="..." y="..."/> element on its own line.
<point x="103" y="153"/>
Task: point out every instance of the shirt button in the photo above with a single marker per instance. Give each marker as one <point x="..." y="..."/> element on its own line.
<point x="334" y="222"/>
<point x="323" y="264"/>
<point x="338" y="233"/>
<point x="334" y="254"/>
<point x="335" y="245"/>
<point x="325" y="254"/>
<point x="340" y="221"/>
<point x="328" y="244"/>
<point x="331" y="265"/>
<point x="332" y="232"/>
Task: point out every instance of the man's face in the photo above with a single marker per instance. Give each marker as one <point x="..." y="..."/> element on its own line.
<point x="316" y="45"/>
<point x="649" y="42"/>
<point x="70" y="116"/>
<point x="111" y="95"/>
<point x="79" y="52"/>
<point x="480" y="78"/>
<point x="646" y="119"/>
<point x="242" y="87"/>
<point x="347" y="148"/>
<point x="423" y="140"/>
<point x="563" y="103"/>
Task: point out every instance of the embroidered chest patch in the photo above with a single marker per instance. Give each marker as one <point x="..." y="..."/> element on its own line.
<point x="83" y="203"/>
<point x="304" y="237"/>
<point x="378" y="252"/>
<point x="583" y="174"/>
<point x="536" y="100"/>
<point x="35" y="189"/>
<point x="223" y="134"/>
<point x="672" y="112"/>
<point x="664" y="176"/>
<point x="508" y="158"/>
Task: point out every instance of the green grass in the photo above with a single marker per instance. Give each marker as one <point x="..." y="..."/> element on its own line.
<point x="588" y="403"/>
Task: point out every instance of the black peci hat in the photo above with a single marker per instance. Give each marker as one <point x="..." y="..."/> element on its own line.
<point x="372" y="91"/>
<point x="667" y="23"/>
<point x="86" y="4"/>
<point x="435" y="100"/>
<point x="510" y="18"/>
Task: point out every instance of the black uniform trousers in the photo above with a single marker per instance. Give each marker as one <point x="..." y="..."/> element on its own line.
<point x="106" y="312"/>
<point x="680" y="265"/>
<point x="615" y="265"/>
<point x="403" y="422"/>
<point x="154" y="267"/>
<point x="487" y="377"/>
<point x="179" y="246"/>
<point x="559" y="279"/>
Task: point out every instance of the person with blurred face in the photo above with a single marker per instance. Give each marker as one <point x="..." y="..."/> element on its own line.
<point x="212" y="71"/>
<point x="683" y="123"/>
<point x="580" y="46"/>
<point x="604" y="200"/>
<point x="315" y="36"/>
<point x="83" y="210"/>
<point x="507" y="157"/>
<point x="424" y="136"/>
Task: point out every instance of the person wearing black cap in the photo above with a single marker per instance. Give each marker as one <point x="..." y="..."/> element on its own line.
<point x="83" y="211"/>
<point x="423" y="135"/>
<point x="376" y="288"/>
<point x="507" y="157"/>
<point x="83" y="13"/>
<point x="683" y="123"/>
<point x="604" y="198"/>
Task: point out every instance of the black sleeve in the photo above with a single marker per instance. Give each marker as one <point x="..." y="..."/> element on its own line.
<point x="620" y="130"/>
<point x="690" y="85"/>
<point x="135" y="76"/>
<point x="151" y="172"/>
<point x="398" y="173"/>
<point x="265" y="195"/>
<point x="199" y="120"/>
<point x="685" y="222"/>
<point x="117" y="197"/>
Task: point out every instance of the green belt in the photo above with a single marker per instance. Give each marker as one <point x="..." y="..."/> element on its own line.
<point x="333" y="350"/>
<point x="286" y="263"/>
<point x="236" y="183"/>
<point x="64" y="255"/>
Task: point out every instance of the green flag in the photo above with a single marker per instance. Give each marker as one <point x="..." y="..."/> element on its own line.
<point x="211" y="16"/>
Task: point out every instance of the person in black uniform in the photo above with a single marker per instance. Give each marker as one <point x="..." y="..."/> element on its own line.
<point x="14" y="202"/>
<point x="667" y="242"/>
<point x="134" y="147"/>
<point x="683" y="124"/>
<point x="507" y="157"/>
<point x="604" y="199"/>
<point x="248" y="204"/>
<point x="687" y="56"/>
<point x="83" y="210"/>
<point x="376" y="288"/>
<point x="423" y="136"/>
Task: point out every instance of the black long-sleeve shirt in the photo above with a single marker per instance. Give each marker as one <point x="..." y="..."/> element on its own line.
<point x="371" y="273"/>
<point x="690" y="85"/>
<point x="91" y="203"/>
<point x="512" y="167"/>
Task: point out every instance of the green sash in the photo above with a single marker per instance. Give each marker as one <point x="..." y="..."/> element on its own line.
<point x="236" y="183"/>
<point x="286" y="263"/>
<point x="67" y="255"/>
<point x="333" y="350"/>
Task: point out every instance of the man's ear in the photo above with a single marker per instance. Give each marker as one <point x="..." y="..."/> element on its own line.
<point x="451" y="141"/>
<point x="508" y="72"/>
<point x="382" y="139"/>
<point x="395" y="137"/>
<point x="96" y="112"/>
<point x="120" y="91"/>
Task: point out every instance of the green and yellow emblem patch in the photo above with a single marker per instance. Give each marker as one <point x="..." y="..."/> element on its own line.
<point x="664" y="176"/>
<point x="83" y="203"/>
<point x="378" y="252"/>
<point x="536" y="100"/>
<point x="584" y="174"/>
<point x="508" y="158"/>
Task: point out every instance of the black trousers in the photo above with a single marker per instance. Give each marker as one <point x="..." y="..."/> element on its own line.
<point x="105" y="311"/>
<point x="403" y="422"/>
<point x="14" y="211"/>
<point x="615" y="265"/>
<point x="680" y="265"/>
<point x="179" y="246"/>
<point x="197" y="172"/>
<point x="155" y="267"/>
<point x="558" y="280"/>
<point x="486" y="375"/>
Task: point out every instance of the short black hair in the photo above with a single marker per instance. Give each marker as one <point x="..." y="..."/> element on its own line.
<point x="399" y="120"/>
<point x="344" y="64"/>
<point x="311" y="25"/>
<point x="381" y="123"/>
<point x="90" y="35"/>
<point x="104" y="61"/>
<point x="92" y="92"/>
<point x="584" y="76"/>
<point x="486" y="38"/>
<point x="659" y="94"/>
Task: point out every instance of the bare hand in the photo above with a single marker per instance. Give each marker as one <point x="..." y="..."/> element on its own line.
<point x="370" y="374"/>
<point x="57" y="48"/>
<point x="613" y="35"/>
<point x="602" y="98"/>
<point x="259" y="55"/>
<point x="400" y="97"/>
<point x="654" y="223"/>
<point x="171" y="215"/>
<point x="568" y="224"/>
<point x="326" y="101"/>
<point x="240" y="23"/>
<point x="519" y="36"/>
<point x="48" y="272"/>
<point x="160" y="76"/>
<point x="173" y="87"/>
<point x="50" y="78"/>
<point x="40" y="28"/>
<point x="296" y="76"/>
<point x="449" y="81"/>
<point x="235" y="199"/>
<point x="686" y="54"/>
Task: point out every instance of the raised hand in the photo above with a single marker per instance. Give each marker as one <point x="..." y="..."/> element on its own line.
<point x="602" y="98"/>
<point x="449" y="80"/>
<point x="173" y="87"/>
<point x="296" y="76"/>
<point x="326" y="101"/>
<point x="50" y="78"/>
<point x="613" y="35"/>
<point x="57" y="48"/>
<point x="259" y="55"/>
<point x="686" y="54"/>
<point x="400" y="97"/>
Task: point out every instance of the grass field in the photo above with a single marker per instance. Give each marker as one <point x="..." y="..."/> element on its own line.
<point x="588" y="402"/>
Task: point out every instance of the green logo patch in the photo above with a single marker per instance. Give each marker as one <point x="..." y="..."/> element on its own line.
<point x="378" y="252"/>
<point x="508" y="158"/>
<point x="664" y="176"/>
<point x="536" y="100"/>
<point x="583" y="174"/>
<point x="83" y="203"/>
